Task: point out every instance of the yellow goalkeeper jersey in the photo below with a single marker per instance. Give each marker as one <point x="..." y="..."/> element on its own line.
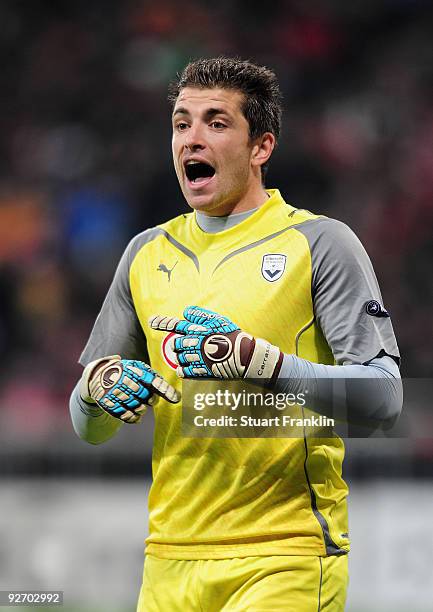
<point x="296" y="279"/>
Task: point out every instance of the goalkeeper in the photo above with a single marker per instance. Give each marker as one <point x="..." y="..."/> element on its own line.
<point x="244" y="286"/>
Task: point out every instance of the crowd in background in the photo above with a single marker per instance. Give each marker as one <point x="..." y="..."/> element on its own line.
<point x="85" y="157"/>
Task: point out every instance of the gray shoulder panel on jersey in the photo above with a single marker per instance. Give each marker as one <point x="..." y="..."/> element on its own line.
<point x="343" y="282"/>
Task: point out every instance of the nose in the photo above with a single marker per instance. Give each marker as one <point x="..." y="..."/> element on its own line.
<point x="194" y="140"/>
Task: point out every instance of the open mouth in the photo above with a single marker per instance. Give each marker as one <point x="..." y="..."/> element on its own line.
<point x="198" y="172"/>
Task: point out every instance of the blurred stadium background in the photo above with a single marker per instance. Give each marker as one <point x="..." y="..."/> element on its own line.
<point x="85" y="163"/>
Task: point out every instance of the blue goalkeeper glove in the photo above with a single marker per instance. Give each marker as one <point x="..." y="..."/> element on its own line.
<point x="124" y="388"/>
<point x="212" y="346"/>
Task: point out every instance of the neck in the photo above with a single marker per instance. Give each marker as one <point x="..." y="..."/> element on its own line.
<point x="251" y="200"/>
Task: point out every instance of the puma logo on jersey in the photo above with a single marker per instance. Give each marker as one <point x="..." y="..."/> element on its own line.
<point x="163" y="268"/>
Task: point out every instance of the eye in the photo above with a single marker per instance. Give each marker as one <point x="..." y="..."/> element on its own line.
<point x="218" y="125"/>
<point x="181" y="126"/>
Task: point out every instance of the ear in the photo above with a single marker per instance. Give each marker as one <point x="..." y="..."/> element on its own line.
<point x="262" y="149"/>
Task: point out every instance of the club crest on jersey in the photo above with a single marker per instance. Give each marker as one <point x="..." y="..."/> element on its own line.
<point x="273" y="266"/>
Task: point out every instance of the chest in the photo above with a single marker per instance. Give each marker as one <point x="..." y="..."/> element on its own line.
<point x="265" y="287"/>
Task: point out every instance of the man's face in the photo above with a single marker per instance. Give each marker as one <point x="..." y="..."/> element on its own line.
<point x="212" y="150"/>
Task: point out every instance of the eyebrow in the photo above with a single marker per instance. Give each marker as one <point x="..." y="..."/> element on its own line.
<point x="211" y="112"/>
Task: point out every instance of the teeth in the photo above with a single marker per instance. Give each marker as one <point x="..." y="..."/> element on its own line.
<point x="191" y="162"/>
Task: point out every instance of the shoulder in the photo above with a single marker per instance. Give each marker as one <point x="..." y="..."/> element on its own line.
<point x="171" y="227"/>
<point x="139" y="241"/>
<point x="177" y="224"/>
<point x="328" y="235"/>
<point x="335" y="250"/>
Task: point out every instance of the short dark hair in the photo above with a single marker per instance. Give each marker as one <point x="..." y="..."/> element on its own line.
<point x="262" y="103"/>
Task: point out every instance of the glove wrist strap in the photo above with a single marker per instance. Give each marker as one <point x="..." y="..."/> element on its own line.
<point x="264" y="360"/>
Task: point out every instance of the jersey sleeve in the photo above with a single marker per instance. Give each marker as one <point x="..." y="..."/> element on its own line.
<point x="346" y="296"/>
<point x="117" y="330"/>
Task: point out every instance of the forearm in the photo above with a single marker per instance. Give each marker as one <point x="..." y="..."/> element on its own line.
<point x="333" y="388"/>
<point x="90" y="422"/>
